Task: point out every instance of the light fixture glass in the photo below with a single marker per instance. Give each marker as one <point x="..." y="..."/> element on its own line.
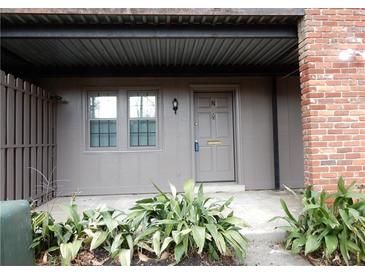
<point x="175" y="105"/>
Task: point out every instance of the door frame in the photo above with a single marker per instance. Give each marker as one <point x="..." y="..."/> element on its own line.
<point x="237" y="147"/>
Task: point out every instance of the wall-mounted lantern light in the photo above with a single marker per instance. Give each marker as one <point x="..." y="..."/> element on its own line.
<point x="175" y="105"/>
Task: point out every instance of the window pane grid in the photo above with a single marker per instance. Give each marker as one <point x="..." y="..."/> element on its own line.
<point x="142" y="132"/>
<point x="103" y="133"/>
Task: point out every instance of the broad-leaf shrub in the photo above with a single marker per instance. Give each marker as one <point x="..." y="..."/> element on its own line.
<point x="98" y="227"/>
<point x="329" y="229"/>
<point x="106" y="227"/>
<point x="177" y="223"/>
<point x="43" y="238"/>
<point x="187" y="222"/>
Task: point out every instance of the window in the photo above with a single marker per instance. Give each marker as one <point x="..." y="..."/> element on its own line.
<point x="102" y="120"/>
<point x="124" y="120"/>
<point x="142" y="119"/>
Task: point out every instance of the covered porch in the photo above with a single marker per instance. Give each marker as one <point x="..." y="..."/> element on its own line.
<point x="245" y="59"/>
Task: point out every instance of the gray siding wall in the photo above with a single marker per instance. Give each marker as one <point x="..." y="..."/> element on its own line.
<point x="89" y="172"/>
<point x="257" y="136"/>
<point x="290" y="133"/>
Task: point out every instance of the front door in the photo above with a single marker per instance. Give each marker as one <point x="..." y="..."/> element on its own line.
<point x="213" y="130"/>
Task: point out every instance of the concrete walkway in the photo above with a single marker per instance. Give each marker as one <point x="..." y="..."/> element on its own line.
<point x="255" y="207"/>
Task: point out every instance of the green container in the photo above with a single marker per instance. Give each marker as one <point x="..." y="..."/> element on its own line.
<point x="15" y="233"/>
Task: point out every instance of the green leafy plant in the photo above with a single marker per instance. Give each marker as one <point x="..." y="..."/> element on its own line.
<point x="106" y="227"/>
<point x="94" y="228"/>
<point x="186" y="222"/>
<point x="50" y="236"/>
<point x="330" y="230"/>
<point x="43" y="238"/>
<point x="69" y="251"/>
<point x="178" y="223"/>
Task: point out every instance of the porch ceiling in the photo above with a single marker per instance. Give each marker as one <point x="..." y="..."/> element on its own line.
<point x="62" y="44"/>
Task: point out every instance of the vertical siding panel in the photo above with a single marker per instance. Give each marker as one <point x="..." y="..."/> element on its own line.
<point x="54" y="148"/>
<point x="26" y="140"/>
<point x="39" y="181"/>
<point x="2" y="136"/>
<point x="33" y="140"/>
<point x="19" y="139"/>
<point x="45" y="141"/>
<point x="10" y="113"/>
<point x="50" y="147"/>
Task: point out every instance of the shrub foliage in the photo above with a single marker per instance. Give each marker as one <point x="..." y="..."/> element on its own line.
<point x="178" y="223"/>
<point x="327" y="228"/>
<point x="186" y="222"/>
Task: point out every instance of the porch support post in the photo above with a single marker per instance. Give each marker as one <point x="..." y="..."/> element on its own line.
<point x="275" y="133"/>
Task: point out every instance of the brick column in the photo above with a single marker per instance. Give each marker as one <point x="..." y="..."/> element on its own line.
<point x="333" y="96"/>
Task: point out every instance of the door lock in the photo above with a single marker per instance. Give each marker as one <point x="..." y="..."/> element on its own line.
<point x="196" y="146"/>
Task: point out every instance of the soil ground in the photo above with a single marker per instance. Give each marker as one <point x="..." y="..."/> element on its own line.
<point x="100" y="257"/>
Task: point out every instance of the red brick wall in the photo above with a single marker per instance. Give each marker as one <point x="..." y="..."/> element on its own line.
<point x="333" y="96"/>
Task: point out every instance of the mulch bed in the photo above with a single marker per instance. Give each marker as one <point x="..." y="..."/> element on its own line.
<point x="193" y="259"/>
<point x="318" y="259"/>
<point x="100" y="257"/>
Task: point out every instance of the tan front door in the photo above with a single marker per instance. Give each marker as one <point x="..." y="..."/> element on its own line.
<point x="213" y="128"/>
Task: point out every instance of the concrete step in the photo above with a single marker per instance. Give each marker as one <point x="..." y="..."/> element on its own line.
<point x="223" y="188"/>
